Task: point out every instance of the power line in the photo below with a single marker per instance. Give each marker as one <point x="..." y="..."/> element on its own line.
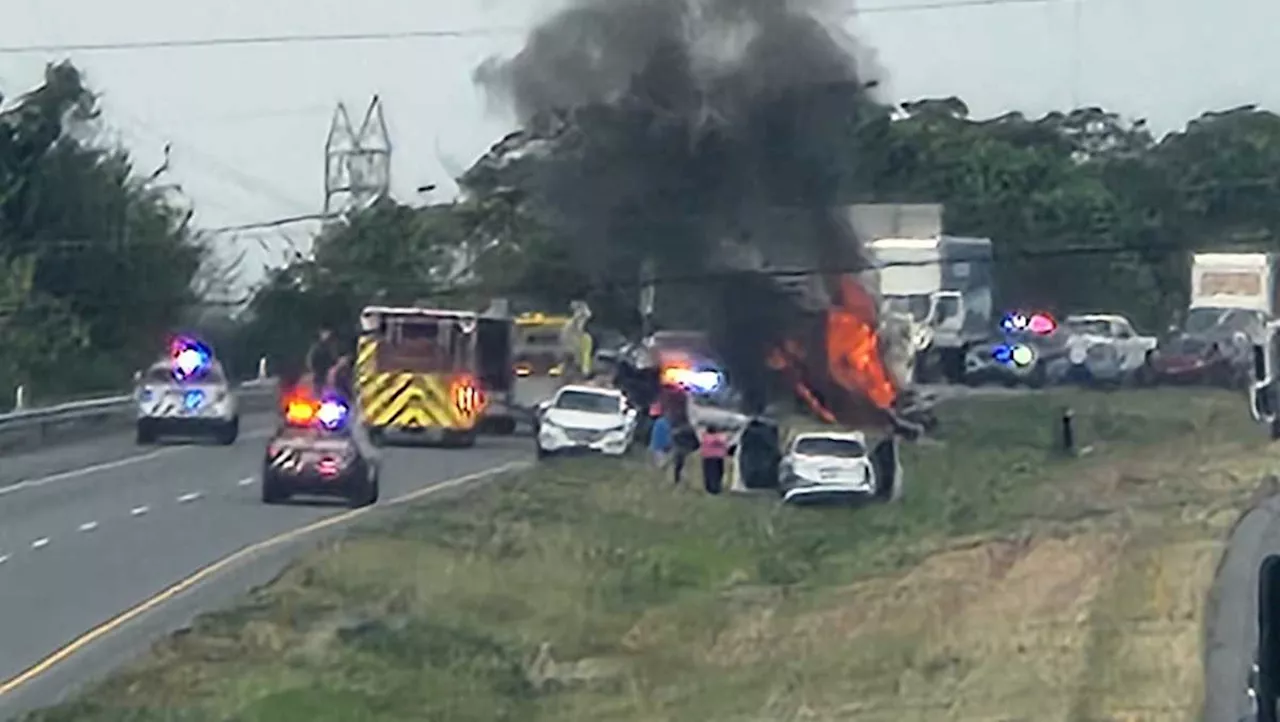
<point x="424" y="34"/>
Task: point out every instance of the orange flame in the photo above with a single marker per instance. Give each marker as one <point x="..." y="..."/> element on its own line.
<point x="852" y="357"/>
<point x="853" y="348"/>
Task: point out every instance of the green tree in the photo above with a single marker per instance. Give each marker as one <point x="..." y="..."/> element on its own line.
<point x="109" y="259"/>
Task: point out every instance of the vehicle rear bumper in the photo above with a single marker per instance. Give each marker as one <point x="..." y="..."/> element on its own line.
<point x="185" y="425"/>
<point x="312" y="483"/>
<point x="828" y="494"/>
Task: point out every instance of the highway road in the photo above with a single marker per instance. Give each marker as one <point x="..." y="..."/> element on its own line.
<point x="90" y="530"/>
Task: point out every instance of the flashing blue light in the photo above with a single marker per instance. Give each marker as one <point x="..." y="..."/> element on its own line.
<point x="192" y="399"/>
<point x="706" y="380"/>
<point x="190" y="357"/>
<point x="332" y="414"/>
<point x="1014" y="354"/>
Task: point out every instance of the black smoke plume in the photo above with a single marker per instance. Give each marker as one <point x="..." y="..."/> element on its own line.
<point x="707" y="135"/>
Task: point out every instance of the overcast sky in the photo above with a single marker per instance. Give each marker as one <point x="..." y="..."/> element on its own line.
<point x="248" y="123"/>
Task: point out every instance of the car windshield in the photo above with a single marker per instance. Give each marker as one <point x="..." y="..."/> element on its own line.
<point x="1202" y="320"/>
<point x="588" y="401"/>
<point x="827" y="446"/>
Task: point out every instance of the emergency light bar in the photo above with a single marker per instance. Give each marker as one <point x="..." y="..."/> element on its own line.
<point x="1041" y="324"/>
<point x="1019" y="355"/>
<point x="189" y="357"/>
<point x="330" y="413"/>
<point x="704" y="381"/>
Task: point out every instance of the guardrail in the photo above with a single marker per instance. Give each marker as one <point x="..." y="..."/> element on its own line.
<point x="255" y="395"/>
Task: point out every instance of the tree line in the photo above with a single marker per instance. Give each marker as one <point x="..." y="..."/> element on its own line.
<point x="1088" y="211"/>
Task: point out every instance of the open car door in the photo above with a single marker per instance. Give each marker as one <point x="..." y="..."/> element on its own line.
<point x="494" y="362"/>
<point x="759" y="455"/>
<point x="887" y="463"/>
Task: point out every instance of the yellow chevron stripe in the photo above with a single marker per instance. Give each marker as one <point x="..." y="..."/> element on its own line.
<point x="414" y="406"/>
<point x="411" y="401"/>
<point x="378" y="392"/>
<point x="366" y="355"/>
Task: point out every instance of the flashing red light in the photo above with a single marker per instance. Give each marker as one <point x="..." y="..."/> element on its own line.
<point x="1042" y="324"/>
<point x="328" y="466"/>
<point x="467" y="397"/>
<point x="300" y="412"/>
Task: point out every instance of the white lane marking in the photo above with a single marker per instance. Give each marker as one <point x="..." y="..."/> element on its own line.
<point x="87" y="470"/>
<point x="89" y="526"/>
<point x="188" y="497"/>
<point x="4" y="558"/>
<point x="40" y="543"/>
<point x="109" y="465"/>
<point x="247" y="481"/>
<point x="139" y="510"/>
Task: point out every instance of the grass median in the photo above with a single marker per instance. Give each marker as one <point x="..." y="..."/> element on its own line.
<point x="1009" y="583"/>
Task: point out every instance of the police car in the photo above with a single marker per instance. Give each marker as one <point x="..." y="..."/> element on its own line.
<point x="186" y="394"/>
<point x="318" y="452"/>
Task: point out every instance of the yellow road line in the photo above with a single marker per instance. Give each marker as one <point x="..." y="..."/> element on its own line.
<point x="89" y="637"/>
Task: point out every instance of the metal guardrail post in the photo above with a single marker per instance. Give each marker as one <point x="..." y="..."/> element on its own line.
<point x="262" y="368"/>
<point x="20" y="398"/>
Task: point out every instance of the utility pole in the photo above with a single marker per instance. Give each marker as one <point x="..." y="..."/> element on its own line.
<point x="357" y="163"/>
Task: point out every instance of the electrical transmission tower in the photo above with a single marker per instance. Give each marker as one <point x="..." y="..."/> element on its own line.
<point x="357" y="164"/>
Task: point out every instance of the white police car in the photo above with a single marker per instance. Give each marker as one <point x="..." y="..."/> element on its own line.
<point x="186" y="394"/>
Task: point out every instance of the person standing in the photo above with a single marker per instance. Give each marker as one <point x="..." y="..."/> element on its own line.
<point x="714" y="448"/>
<point x="660" y="441"/>
<point x="684" y="441"/>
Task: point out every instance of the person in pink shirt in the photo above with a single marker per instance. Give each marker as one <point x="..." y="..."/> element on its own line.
<point x="714" y="448"/>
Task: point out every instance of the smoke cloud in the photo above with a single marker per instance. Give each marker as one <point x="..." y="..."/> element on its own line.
<point x="706" y="135"/>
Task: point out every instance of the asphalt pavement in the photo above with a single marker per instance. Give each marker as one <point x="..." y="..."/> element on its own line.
<point x="90" y="530"/>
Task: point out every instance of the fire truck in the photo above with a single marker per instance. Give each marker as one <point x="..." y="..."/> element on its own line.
<point x="429" y="373"/>
<point x="550" y="351"/>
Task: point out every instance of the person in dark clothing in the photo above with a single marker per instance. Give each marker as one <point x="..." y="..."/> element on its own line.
<point x="324" y="358"/>
<point x="684" y="442"/>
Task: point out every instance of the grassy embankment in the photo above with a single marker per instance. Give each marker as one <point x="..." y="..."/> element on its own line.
<point x="1007" y="585"/>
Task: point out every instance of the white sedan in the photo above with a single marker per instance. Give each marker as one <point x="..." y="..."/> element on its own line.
<point x="827" y="466"/>
<point x="585" y="418"/>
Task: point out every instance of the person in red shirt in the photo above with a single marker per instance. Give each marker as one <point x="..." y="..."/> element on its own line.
<point x="714" y="448"/>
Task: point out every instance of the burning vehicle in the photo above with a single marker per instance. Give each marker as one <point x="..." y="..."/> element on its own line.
<point x="710" y="145"/>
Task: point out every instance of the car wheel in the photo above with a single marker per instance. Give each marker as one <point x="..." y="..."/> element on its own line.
<point x="146" y="433"/>
<point x="466" y="439"/>
<point x="363" y="493"/>
<point x="377" y="437"/>
<point x="228" y="434"/>
<point x="272" y="491"/>
<point x="542" y="453"/>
